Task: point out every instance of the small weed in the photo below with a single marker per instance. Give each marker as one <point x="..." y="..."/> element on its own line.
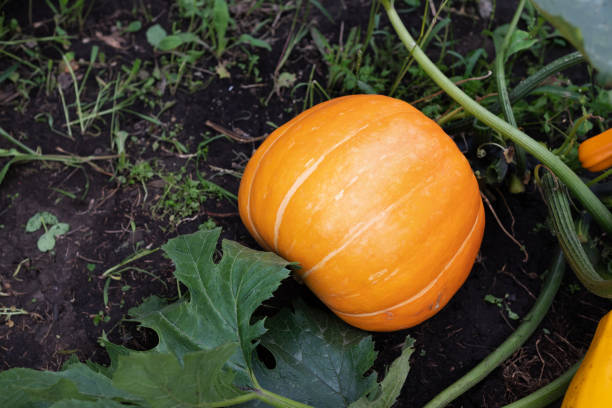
<point x="100" y="317"/>
<point x="502" y="304"/>
<point x="69" y="12"/>
<point x="53" y="229"/>
<point x="183" y="196"/>
<point x="9" y="312"/>
<point x="209" y="224"/>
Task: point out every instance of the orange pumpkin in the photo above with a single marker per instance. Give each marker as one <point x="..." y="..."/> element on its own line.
<point x="374" y="201"/>
<point x="595" y="153"/>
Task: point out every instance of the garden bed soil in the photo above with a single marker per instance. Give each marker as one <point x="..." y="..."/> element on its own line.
<point x="63" y="293"/>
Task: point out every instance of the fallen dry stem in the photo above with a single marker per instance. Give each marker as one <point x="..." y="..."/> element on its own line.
<point x="521" y="246"/>
<point x="233" y="134"/>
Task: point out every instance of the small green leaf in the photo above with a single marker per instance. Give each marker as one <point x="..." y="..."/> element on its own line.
<point x="286" y="80"/>
<point x="170" y="42"/>
<point x="519" y="41"/>
<point x="255" y="42"/>
<point x="155" y="34"/>
<point x="59" y="229"/>
<point x="320" y="360"/>
<point x="161" y="380"/>
<point x="35" y="222"/>
<point x="8" y="72"/>
<point x="46" y="242"/>
<point x="512" y="315"/>
<point x="221" y="20"/>
<point x="133" y="26"/>
<point x="391" y="385"/>
<point x="173" y="41"/>
<point x="25" y="388"/>
<point x="320" y="42"/>
<point x="494" y="300"/>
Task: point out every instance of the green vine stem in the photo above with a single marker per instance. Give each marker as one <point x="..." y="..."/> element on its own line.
<point x="560" y="64"/>
<point x="549" y="393"/>
<point x="590" y="201"/>
<point x="279" y="401"/>
<point x="502" y="90"/>
<point x="523" y="88"/>
<point x="270" y="398"/>
<point x="563" y="225"/>
<point x="512" y="343"/>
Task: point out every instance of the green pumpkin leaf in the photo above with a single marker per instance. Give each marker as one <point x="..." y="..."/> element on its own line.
<point x="585" y="24"/>
<point x="391" y="385"/>
<point x="222" y="298"/>
<point x="163" y="382"/>
<point x="24" y="387"/>
<point x="103" y="403"/>
<point x="320" y="360"/>
<point x="205" y="355"/>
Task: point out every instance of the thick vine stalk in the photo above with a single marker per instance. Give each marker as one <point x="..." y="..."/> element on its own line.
<point x="512" y="343"/>
<point x="588" y="199"/>
<point x="562" y="224"/>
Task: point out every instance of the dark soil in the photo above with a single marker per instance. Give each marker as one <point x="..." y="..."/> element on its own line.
<point x="64" y="295"/>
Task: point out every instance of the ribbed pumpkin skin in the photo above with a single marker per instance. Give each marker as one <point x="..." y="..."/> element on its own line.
<point x="595" y="153"/>
<point x="591" y="386"/>
<point x="375" y="202"/>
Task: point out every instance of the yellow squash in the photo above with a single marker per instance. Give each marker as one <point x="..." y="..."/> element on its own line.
<point x="374" y="201"/>
<point x="591" y="387"/>
<point x="595" y="153"/>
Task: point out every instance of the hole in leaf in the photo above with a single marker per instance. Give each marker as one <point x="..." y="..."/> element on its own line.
<point x="266" y="357"/>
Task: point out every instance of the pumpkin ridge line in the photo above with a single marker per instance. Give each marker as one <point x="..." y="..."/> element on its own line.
<point x="353" y="234"/>
<point x="426" y="288"/>
<point x="301" y="179"/>
<point x="250" y="192"/>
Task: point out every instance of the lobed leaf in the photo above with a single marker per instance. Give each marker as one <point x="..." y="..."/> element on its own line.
<point x="319" y="360"/>
<point x="24" y="387"/>
<point x="391" y="385"/>
<point x="222" y="298"/>
<point x="161" y="380"/>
